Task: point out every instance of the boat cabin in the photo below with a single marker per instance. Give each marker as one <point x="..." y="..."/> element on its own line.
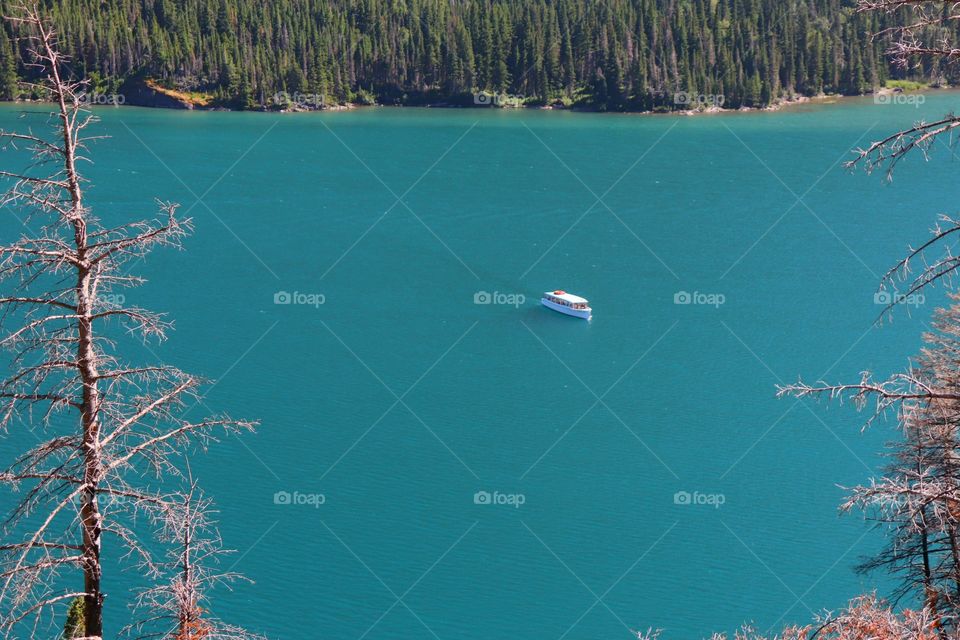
<point x="565" y="299"/>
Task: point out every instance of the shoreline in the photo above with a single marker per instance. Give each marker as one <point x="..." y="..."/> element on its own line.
<point x="118" y="100"/>
<point x="778" y="105"/>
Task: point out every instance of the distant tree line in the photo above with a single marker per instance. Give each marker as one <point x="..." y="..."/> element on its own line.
<point x="606" y="54"/>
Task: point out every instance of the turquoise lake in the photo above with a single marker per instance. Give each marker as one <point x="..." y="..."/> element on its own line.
<point x="402" y="398"/>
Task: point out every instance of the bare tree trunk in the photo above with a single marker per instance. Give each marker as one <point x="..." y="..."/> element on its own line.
<point x="87" y="360"/>
<point x="188" y="613"/>
<point x="90" y="516"/>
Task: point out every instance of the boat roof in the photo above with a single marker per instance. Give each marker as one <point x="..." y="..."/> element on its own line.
<point x="568" y="297"/>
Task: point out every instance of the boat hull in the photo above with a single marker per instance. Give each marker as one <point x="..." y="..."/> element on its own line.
<point x="584" y="314"/>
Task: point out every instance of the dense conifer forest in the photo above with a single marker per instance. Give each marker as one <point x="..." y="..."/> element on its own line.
<point x="606" y="54"/>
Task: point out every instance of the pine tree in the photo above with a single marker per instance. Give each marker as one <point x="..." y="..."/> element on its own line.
<point x="74" y="626"/>
<point x="245" y="51"/>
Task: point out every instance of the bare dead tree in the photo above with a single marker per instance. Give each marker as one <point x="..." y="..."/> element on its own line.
<point x="747" y="632"/>
<point x="110" y="432"/>
<point x="178" y="607"/>
<point x="917" y="499"/>
<point x="867" y="618"/>
<point x="899" y="503"/>
<point x="914" y="503"/>
<point x="924" y="31"/>
<point x="923" y="34"/>
<point x="864" y="618"/>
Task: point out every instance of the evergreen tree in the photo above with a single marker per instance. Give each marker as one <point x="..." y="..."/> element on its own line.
<point x="243" y="52"/>
<point x="74" y="626"/>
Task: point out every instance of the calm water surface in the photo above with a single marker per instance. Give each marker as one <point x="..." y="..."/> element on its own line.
<point x="400" y="398"/>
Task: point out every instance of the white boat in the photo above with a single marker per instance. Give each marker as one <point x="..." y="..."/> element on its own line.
<point x="567" y="303"/>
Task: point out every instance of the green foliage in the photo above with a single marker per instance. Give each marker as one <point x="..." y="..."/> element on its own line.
<point x="362" y="96"/>
<point x="906" y="85"/>
<point x="605" y="54"/>
<point x="74" y="626"/>
<point x="9" y="87"/>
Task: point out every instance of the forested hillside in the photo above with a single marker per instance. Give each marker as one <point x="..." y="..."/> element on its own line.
<point x="608" y="54"/>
